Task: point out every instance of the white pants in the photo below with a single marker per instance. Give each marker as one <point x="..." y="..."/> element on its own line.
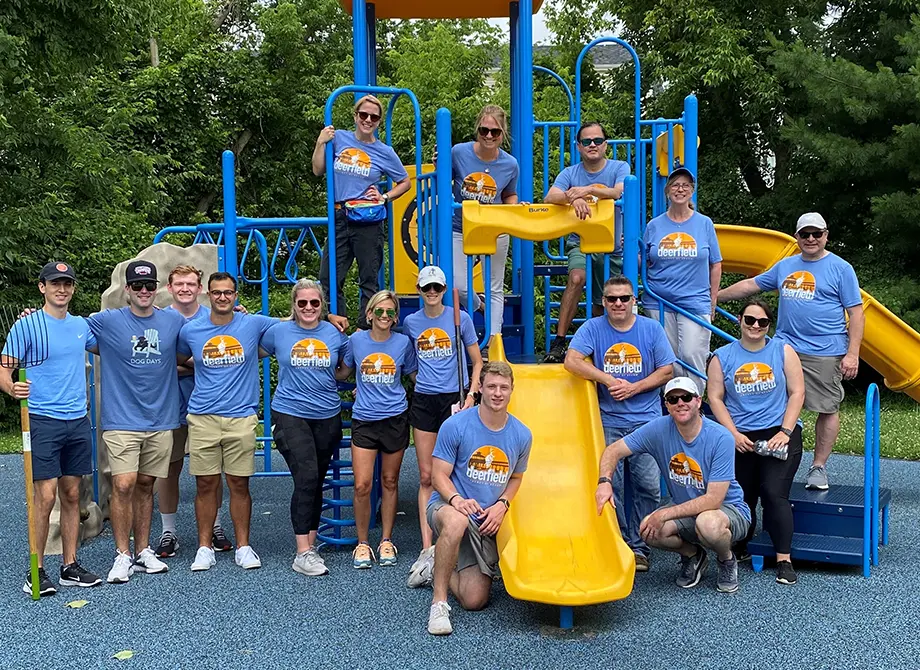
<point x="496" y="280"/>
<point x="689" y="340"/>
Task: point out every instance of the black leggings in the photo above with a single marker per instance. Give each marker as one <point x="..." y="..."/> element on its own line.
<point x="770" y="479"/>
<point x="307" y="445"/>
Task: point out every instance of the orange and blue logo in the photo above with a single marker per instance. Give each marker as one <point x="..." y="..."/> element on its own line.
<point x="677" y="245"/>
<point x="434" y="343"/>
<point x="479" y="186"/>
<point x="686" y="471"/>
<point x="754" y="378"/>
<point x="353" y="161"/>
<point x="378" y="368"/>
<point x="310" y="353"/>
<point x="623" y="359"/>
<point x="798" y="286"/>
<point x="489" y="465"/>
<point x="222" y="351"/>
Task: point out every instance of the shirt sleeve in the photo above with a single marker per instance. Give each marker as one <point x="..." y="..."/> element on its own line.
<point x="849" y="287"/>
<point x="348" y="355"/>
<point x="448" y="442"/>
<point x="467" y="329"/>
<point x="641" y="441"/>
<point x="91" y="342"/>
<point x="410" y="362"/>
<point x="511" y="188"/>
<point x="96" y="322"/>
<point x="715" y="253"/>
<point x="524" y="456"/>
<point x="768" y="281"/>
<point x="344" y="347"/>
<point x="583" y="341"/>
<point x="182" y="346"/>
<point x="268" y="341"/>
<point x="265" y="322"/>
<point x="395" y="170"/>
<point x="722" y="466"/>
<point x="563" y="180"/>
<point x="621" y="173"/>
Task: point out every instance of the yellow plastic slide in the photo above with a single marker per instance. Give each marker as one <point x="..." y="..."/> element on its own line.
<point x="889" y="345"/>
<point x="554" y="548"/>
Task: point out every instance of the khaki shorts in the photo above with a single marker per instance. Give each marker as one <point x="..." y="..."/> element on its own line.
<point x="179" y="444"/>
<point x="476" y="549"/>
<point x="133" y="451"/>
<point x="222" y="444"/>
<point x="823" y="383"/>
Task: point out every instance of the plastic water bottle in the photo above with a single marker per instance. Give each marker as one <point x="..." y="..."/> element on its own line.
<point x="761" y="447"/>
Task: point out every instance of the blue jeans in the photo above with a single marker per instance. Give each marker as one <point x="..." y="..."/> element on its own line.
<point x="644" y="490"/>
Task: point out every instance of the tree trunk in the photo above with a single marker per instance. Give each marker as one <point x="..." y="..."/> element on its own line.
<point x="154" y="52"/>
<point x="204" y="204"/>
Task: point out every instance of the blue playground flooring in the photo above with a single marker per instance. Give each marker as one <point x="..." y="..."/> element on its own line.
<point x="275" y="618"/>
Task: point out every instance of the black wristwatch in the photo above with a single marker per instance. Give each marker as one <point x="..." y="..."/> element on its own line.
<point x="604" y="480"/>
<point x="786" y="431"/>
<point x="505" y="501"/>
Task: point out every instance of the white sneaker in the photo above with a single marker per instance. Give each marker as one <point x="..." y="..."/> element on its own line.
<point x="439" y="619"/>
<point x="421" y="571"/>
<point x="204" y="559"/>
<point x="309" y="563"/>
<point x="121" y="570"/>
<point x="147" y="561"/>
<point x="247" y="559"/>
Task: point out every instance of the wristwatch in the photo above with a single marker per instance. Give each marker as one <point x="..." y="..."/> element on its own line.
<point x="505" y="500"/>
<point x="386" y="197"/>
<point x="604" y="480"/>
<point x="786" y="431"/>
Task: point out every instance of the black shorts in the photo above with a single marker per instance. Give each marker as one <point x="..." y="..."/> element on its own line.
<point x="390" y="435"/>
<point x="430" y="410"/>
<point x="60" y="447"/>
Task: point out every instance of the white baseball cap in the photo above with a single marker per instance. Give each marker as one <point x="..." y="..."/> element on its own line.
<point x="811" y="220"/>
<point x="682" y="384"/>
<point x="431" y="274"/>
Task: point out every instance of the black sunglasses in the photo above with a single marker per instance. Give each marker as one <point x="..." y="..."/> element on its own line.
<point x="614" y="299"/>
<point x="816" y="234"/>
<point x="141" y="285"/>
<point x="364" y="116"/>
<point x="313" y="302"/>
<point x="674" y="399"/>
<point x="588" y="141"/>
<point x="437" y="288"/>
<point x="494" y="132"/>
<point x="750" y="321"/>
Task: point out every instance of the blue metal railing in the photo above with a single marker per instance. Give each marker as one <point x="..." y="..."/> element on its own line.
<point x="871" y="465"/>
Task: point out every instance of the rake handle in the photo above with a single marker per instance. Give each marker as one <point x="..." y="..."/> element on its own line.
<point x="30" y="495"/>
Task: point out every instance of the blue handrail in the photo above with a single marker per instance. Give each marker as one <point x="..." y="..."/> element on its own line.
<point x="871" y="465"/>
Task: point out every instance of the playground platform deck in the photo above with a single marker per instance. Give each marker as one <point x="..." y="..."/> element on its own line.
<point x="274" y="618"/>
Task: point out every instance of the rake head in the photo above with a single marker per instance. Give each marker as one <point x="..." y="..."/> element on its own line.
<point x="26" y="339"/>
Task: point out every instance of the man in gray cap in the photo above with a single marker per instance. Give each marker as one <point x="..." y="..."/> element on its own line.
<point x="818" y="290"/>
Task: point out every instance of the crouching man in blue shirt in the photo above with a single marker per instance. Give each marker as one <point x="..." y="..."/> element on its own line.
<point x="708" y="508"/>
<point x="479" y="462"/>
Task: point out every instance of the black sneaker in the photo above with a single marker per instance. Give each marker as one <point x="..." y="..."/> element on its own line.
<point x="45" y="585"/>
<point x="75" y="575"/>
<point x="784" y="573"/>
<point x="692" y="568"/>
<point x="219" y="541"/>
<point x="168" y="545"/>
<point x="556" y="353"/>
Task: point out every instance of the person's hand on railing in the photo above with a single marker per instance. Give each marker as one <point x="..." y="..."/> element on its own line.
<point x="602" y="496"/>
<point x="326" y="135"/>
<point x="742" y="443"/>
<point x="582" y="210"/>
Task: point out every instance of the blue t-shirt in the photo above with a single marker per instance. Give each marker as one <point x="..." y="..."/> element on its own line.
<point x="613" y="173"/>
<point x="483" y="459"/>
<point x="475" y="179"/>
<point x="813" y="297"/>
<point x="755" y="384"/>
<point x="307" y="360"/>
<point x="679" y="256"/>
<point x="140" y="387"/>
<point x="359" y="165"/>
<point x="226" y="364"/>
<point x="434" y="349"/>
<point x="689" y="467"/>
<point x="58" y="388"/>
<point x="632" y="355"/>
<point x="380" y="367"/>
<point x="187" y="382"/>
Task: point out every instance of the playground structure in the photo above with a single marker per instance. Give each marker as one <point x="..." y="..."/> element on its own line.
<point x="262" y="251"/>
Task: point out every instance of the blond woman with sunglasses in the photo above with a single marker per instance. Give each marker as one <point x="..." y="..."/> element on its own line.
<point x="380" y="420"/>
<point x="360" y="162"/>
<point x="306" y="417"/>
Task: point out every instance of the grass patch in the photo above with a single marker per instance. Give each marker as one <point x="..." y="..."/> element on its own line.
<point x="10" y="442"/>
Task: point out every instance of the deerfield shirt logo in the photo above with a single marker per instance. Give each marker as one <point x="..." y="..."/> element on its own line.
<point x="489" y="465"/>
<point x="434" y="343"/>
<point x="677" y="245"/>
<point x="685" y="471"/>
<point x="479" y="186"/>
<point x="353" y="161"/>
<point x="378" y="368"/>
<point x="623" y="359"/>
<point x="222" y="351"/>
<point x="310" y="353"/>
<point x="754" y="378"/>
<point x="798" y="286"/>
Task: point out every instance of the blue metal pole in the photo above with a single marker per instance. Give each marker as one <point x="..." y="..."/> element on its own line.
<point x="231" y="263"/>
<point x="691" y="130"/>
<point x="631" y="227"/>
<point x="566" y="617"/>
<point x="444" y="201"/>
<point x="525" y="157"/>
<point x="359" y="38"/>
<point x="92" y="425"/>
<point x="371" y="22"/>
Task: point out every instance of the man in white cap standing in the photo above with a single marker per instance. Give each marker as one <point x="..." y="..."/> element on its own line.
<point x="697" y="457"/>
<point x="818" y="290"/>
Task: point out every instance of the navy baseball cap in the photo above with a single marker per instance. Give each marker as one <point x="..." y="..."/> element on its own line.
<point x="56" y="270"/>
<point x="140" y="271"/>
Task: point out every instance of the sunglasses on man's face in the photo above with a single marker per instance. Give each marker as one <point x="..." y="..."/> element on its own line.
<point x="428" y="288"/>
<point x="380" y="311"/>
<point x="226" y="293"/>
<point x="588" y="141"/>
<point x="364" y="116"/>
<point x="750" y="321"/>
<point x="485" y="132"/>
<point x="816" y="234"/>
<point x="674" y="399"/>
<point x="614" y="299"/>
<point x="138" y="286"/>
<point x="312" y="302"/>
